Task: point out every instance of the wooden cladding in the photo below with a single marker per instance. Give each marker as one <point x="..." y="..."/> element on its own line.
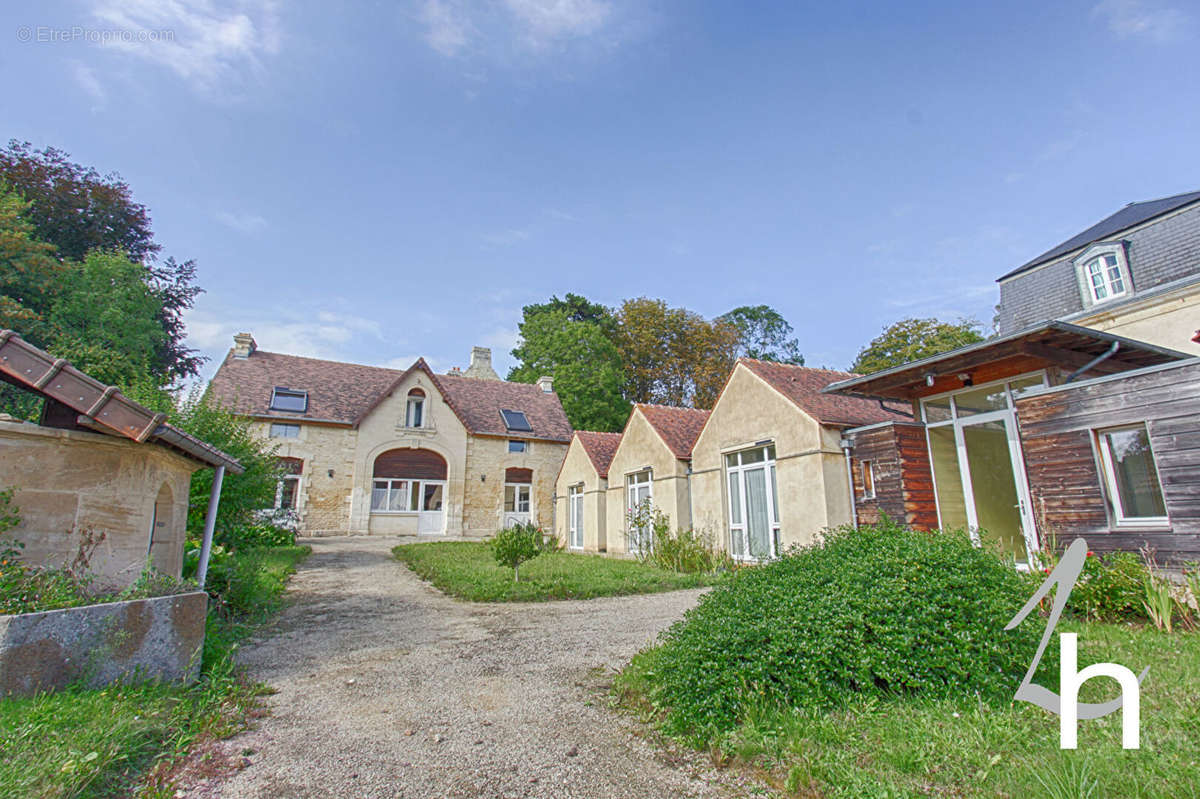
<point x="1067" y="488"/>
<point x="514" y="475"/>
<point x="903" y="480"/>
<point x="418" y="464"/>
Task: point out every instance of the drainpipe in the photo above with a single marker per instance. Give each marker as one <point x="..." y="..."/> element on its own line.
<point x="1101" y="358"/>
<point x="210" y="523"/>
<point x="691" y="520"/>
<point x="847" y="444"/>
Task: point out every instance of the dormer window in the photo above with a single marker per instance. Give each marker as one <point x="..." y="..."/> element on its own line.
<point x="516" y="421"/>
<point x="289" y="400"/>
<point x="1103" y="273"/>
<point x="414" y="415"/>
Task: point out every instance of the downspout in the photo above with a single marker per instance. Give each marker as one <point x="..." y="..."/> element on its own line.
<point x="210" y="523"/>
<point x="847" y="444"/>
<point x="1101" y="358"/>
<point x="691" y="519"/>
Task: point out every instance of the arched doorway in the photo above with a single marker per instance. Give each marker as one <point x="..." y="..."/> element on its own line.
<point x="162" y="523"/>
<point x="411" y="481"/>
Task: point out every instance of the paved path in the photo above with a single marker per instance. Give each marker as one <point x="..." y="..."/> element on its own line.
<point x="387" y="688"/>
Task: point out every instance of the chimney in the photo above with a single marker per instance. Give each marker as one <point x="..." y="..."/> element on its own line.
<point x="481" y="364"/>
<point x="546" y="384"/>
<point x="455" y="372"/>
<point x="243" y="345"/>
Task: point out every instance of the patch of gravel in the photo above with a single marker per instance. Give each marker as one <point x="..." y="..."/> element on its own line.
<point x="387" y="688"/>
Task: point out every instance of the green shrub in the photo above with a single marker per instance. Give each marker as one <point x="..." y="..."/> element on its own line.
<point x="1110" y="588"/>
<point x="517" y="544"/>
<point x="684" y="551"/>
<point x="249" y="584"/>
<point x="880" y="611"/>
<point x="258" y="535"/>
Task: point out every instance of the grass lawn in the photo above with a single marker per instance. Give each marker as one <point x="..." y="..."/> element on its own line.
<point x="961" y="748"/>
<point x="466" y="569"/>
<point x="123" y="740"/>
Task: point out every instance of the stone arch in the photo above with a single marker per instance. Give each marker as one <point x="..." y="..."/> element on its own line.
<point x="162" y="529"/>
<point x="420" y="464"/>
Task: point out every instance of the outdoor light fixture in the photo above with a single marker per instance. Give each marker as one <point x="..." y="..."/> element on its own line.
<point x="331" y="472"/>
<point x="966" y="379"/>
<point x="929" y="379"/>
<point x="483" y="478"/>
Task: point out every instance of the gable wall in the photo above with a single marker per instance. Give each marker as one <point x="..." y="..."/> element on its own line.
<point x="577" y="468"/>
<point x="641" y="446"/>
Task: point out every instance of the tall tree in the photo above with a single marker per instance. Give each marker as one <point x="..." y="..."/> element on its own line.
<point x="912" y="339"/>
<point x="29" y="273"/>
<point x="567" y="340"/>
<point x="78" y="210"/>
<point x="673" y="356"/>
<point x="764" y="334"/>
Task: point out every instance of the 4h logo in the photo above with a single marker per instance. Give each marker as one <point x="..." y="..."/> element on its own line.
<point x="1067" y="707"/>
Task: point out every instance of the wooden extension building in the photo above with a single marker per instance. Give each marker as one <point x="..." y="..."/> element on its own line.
<point x="1039" y="437"/>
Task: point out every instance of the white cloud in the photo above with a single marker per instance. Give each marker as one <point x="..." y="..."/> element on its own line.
<point x="85" y="76"/>
<point x="208" y="43"/>
<point x="1140" y="18"/>
<point x="501" y="29"/>
<point x="242" y="223"/>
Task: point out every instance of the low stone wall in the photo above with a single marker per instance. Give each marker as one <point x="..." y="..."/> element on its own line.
<point x="158" y="638"/>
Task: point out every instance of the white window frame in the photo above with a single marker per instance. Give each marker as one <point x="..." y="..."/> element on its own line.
<point x="408" y="503"/>
<point x="575" y="517"/>
<point x="867" y="472"/>
<point x="737" y="473"/>
<point x="414" y="407"/>
<point x="295" y="478"/>
<point x="1110" y="479"/>
<point x="1083" y="271"/>
<point x="517" y="446"/>
<point x="279" y="426"/>
<point x="517" y="497"/>
<point x="634" y="483"/>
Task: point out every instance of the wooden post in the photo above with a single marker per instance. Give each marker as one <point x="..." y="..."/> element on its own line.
<point x="210" y="523"/>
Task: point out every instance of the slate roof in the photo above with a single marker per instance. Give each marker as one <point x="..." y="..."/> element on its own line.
<point x="344" y="393"/>
<point x="1129" y="216"/>
<point x="802" y="385"/>
<point x="677" y="427"/>
<point x="600" y="448"/>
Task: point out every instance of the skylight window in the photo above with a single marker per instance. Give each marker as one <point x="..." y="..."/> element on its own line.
<point x="515" y="420"/>
<point x="289" y="400"/>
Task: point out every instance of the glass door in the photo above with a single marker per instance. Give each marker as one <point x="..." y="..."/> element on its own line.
<point x="575" y="516"/>
<point x="753" y="504"/>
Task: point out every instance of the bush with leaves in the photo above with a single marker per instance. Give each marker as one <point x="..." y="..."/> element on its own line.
<point x="685" y="551"/>
<point x="1110" y="587"/>
<point x="518" y="544"/>
<point x="879" y="611"/>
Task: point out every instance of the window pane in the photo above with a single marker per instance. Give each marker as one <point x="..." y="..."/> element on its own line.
<point x="415" y="412"/>
<point x="757" y="528"/>
<point x="731" y="460"/>
<point x="398" y="497"/>
<point x="937" y="410"/>
<point x="523" y="499"/>
<point x="510" y="499"/>
<point x="433" y="496"/>
<point x="947" y="480"/>
<point x="980" y="401"/>
<point x="771" y="452"/>
<point x="752" y="456"/>
<point x="379" y="495"/>
<point x="774" y="496"/>
<point x="516" y="446"/>
<point x="1137" y="483"/>
<point x="415" y="494"/>
<point x="287" y="497"/>
<point x="735" y="499"/>
<point x="1025" y="383"/>
<point x="868" y="479"/>
<point x="284" y="400"/>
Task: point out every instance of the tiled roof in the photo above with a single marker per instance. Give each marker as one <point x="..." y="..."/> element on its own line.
<point x="678" y="427"/>
<point x="600" y="448"/>
<point x="1129" y="216"/>
<point x="344" y="393"/>
<point x="802" y="385"/>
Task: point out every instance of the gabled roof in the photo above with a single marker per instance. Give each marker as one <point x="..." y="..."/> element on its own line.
<point x="803" y="386"/>
<point x="600" y="448"/>
<point x="1130" y="216"/>
<point x="345" y="393"/>
<point x="87" y="403"/>
<point x="677" y="427"/>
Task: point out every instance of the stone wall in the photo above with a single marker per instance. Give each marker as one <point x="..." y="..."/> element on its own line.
<point x="487" y="459"/>
<point x="159" y="638"/>
<point x="323" y="503"/>
<point x="67" y="481"/>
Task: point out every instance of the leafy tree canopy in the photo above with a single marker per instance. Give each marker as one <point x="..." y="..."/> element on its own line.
<point x="912" y="339"/>
<point x="764" y="334"/>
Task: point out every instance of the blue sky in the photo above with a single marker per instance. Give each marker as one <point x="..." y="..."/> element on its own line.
<point x="387" y="180"/>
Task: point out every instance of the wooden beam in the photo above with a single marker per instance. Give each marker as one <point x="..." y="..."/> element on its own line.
<point x="1072" y="358"/>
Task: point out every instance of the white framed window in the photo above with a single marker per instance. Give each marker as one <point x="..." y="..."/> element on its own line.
<point x="287" y="490"/>
<point x="1103" y="273"/>
<point x="575" y="517"/>
<point x="518" y="446"/>
<point x="1131" y="477"/>
<point x="516" y="497"/>
<point x="399" y="495"/>
<point x="868" y="479"/>
<point x="753" y="503"/>
<point x="289" y="400"/>
<point x="414" y="414"/>
<point x="279" y="430"/>
<point x="639" y="493"/>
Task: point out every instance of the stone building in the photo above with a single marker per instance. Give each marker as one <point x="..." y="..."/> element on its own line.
<point x="581" y="491"/>
<point x="385" y="451"/>
<point x="98" y="465"/>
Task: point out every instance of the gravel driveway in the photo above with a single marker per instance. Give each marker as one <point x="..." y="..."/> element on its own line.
<point x="387" y="688"/>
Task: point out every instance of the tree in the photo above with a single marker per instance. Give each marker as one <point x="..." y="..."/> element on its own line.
<point x="763" y="334"/>
<point x="29" y="273"/>
<point x="584" y="363"/>
<point x="79" y="211"/>
<point x="673" y="356"/>
<point x="514" y="545"/>
<point x="912" y="339"/>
